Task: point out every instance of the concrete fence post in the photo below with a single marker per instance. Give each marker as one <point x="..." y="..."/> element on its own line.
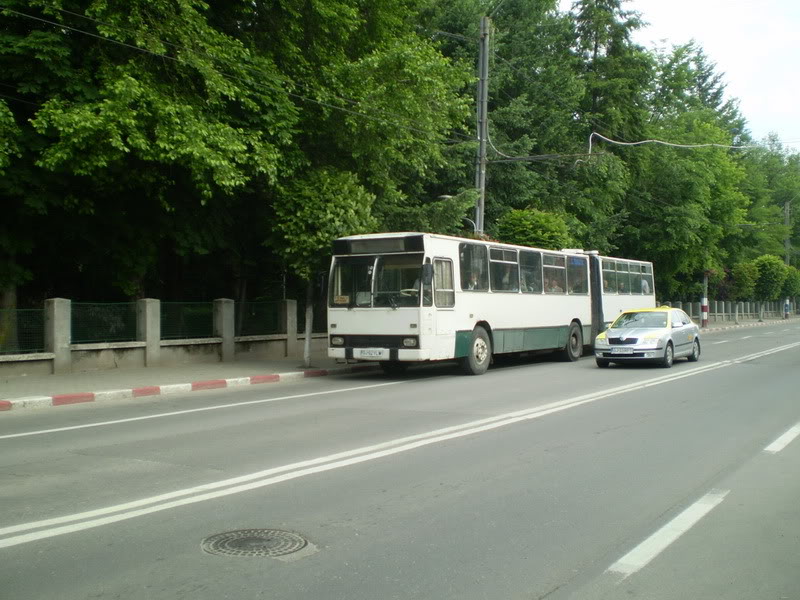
<point x="58" y="333"/>
<point x="224" y="323"/>
<point x="148" y="329"/>
<point x="289" y="314"/>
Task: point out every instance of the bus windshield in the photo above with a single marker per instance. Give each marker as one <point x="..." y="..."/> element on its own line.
<point x="376" y="281"/>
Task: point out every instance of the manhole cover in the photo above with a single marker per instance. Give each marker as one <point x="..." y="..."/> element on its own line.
<point x="254" y="542"/>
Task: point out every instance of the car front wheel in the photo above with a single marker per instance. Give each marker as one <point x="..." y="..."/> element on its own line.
<point x="669" y="356"/>
<point x="695" y="355"/>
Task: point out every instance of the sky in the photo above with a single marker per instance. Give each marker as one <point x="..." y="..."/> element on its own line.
<point x="755" y="43"/>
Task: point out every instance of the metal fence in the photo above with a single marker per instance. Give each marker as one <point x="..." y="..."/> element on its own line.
<point x="260" y="318"/>
<point x="320" y="321"/>
<point x="21" y="330"/>
<point x="95" y="322"/>
<point x="187" y="320"/>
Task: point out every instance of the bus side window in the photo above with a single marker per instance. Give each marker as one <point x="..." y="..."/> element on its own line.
<point x="636" y="279"/>
<point x="647" y="279"/>
<point x="444" y="295"/>
<point x="504" y="270"/>
<point x="555" y="274"/>
<point x="609" y="277"/>
<point x="577" y="275"/>
<point x="474" y="268"/>
<point x="530" y="272"/>
<point x="623" y="282"/>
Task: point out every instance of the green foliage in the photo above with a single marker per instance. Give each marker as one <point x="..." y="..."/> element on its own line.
<point x="9" y="132"/>
<point x="791" y="285"/>
<point x="744" y="276"/>
<point x="533" y="227"/>
<point x="314" y="210"/>
<point x="772" y="274"/>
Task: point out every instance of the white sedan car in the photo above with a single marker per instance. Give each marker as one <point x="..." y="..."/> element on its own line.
<point x="658" y="335"/>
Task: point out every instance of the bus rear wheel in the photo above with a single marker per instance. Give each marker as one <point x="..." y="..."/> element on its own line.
<point x="574" y="348"/>
<point x="479" y="355"/>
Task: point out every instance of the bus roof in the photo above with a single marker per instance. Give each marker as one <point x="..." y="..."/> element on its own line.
<point x="401" y="234"/>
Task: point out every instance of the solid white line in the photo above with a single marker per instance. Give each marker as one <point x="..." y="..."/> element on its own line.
<point x="784" y="440"/>
<point x="193" y="410"/>
<point x="263" y="478"/>
<point x="661" y="539"/>
<point x="721" y="342"/>
<point x="326" y="463"/>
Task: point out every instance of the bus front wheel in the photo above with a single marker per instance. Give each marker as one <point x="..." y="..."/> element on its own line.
<point x="477" y="360"/>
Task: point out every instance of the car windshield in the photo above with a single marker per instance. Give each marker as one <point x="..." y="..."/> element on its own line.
<point x="655" y="320"/>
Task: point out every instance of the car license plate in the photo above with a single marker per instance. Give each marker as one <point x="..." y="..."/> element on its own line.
<point x="373" y="353"/>
<point x="622" y="351"/>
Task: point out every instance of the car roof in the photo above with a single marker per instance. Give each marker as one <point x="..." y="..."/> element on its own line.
<point x="656" y="309"/>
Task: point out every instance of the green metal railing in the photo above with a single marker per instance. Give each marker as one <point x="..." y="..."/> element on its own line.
<point x="260" y="318"/>
<point x="94" y="322"/>
<point x="21" y="330"/>
<point x="187" y="320"/>
<point x="319" y="322"/>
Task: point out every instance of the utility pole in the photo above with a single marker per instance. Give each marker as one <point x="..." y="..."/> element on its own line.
<point x="787" y="221"/>
<point x="483" y="129"/>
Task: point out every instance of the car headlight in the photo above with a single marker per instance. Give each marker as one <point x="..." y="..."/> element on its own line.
<point x="337" y="340"/>
<point x="410" y="342"/>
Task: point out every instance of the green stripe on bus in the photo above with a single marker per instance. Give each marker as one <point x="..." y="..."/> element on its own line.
<point x="517" y="340"/>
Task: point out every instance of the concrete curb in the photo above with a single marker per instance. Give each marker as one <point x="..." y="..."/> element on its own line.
<point x="32" y="402"/>
<point x="716" y="328"/>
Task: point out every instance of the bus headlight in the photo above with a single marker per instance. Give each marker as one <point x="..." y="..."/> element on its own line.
<point x="337" y="340"/>
<point x="410" y="342"/>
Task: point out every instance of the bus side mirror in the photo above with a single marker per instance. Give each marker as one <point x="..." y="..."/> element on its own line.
<point x="427" y="273"/>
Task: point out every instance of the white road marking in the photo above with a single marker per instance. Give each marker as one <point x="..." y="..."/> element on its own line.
<point x="642" y="554"/>
<point x="720" y="342"/>
<point x="103" y="516"/>
<point x="194" y="410"/>
<point x="768" y="332"/>
<point x="747" y="337"/>
<point x="784" y="440"/>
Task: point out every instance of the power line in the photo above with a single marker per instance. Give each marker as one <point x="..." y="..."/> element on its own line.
<point x="663" y="143"/>
<point x="19" y="100"/>
<point x="236" y="78"/>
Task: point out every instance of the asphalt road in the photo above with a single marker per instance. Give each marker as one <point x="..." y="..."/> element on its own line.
<point x="538" y="479"/>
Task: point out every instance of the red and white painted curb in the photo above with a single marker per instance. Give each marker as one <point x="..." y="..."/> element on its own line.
<point x="173" y="388"/>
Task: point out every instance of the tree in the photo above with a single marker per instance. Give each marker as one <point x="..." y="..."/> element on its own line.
<point x="310" y="213"/>
<point x="745" y="276"/>
<point x="535" y="228"/>
<point x="791" y="286"/>
<point x="772" y="274"/>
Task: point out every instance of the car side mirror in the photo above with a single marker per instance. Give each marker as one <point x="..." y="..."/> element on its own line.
<point x="427" y="273"/>
<point x="676" y="325"/>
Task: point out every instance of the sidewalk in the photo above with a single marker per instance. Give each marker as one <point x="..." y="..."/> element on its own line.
<point x="26" y="392"/>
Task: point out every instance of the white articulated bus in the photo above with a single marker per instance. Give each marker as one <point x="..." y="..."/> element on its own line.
<point x="400" y="298"/>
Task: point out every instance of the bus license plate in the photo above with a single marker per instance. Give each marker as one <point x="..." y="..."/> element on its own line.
<point x="622" y="351"/>
<point x="373" y="353"/>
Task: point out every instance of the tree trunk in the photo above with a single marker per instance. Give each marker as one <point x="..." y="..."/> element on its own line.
<point x="9" y="341"/>
<point x="309" y="322"/>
